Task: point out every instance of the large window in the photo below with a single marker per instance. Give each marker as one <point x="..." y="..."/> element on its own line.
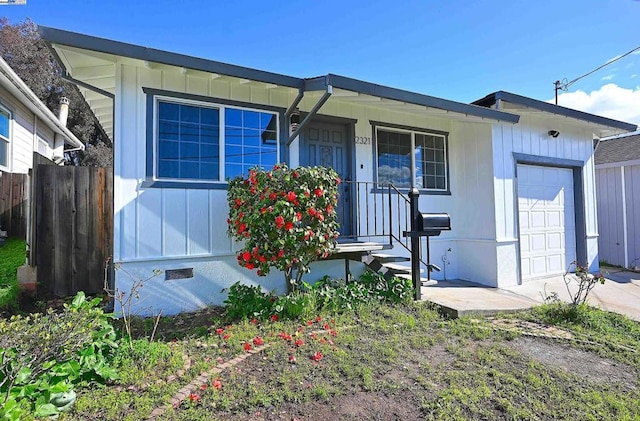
<point x="211" y="142"/>
<point x="411" y="158"/>
<point x="5" y="118"/>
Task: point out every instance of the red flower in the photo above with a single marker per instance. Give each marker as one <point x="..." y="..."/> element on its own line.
<point x="313" y="335"/>
<point x="326" y="326"/>
<point x="194" y="397"/>
<point x="262" y="259"/>
<point x="226" y="337"/>
<point x="318" y="319"/>
<point x="299" y="343"/>
<point x="317" y="356"/>
<point x="246" y="256"/>
<point x="292" y="359"/>
<point x="247" y="346"/>
<point x="309" y="322"/>
<point x="242" y="228"/>
<point x="219" y="331"/>
<point x="329" y="208"/>
<point x="318" y="192"/>
<point x="250" y="266"/>
<point x="338" y="181"/>
<point x="288" y="226"/>
<point x="217" y="384"/>
<point x="203" y="387"/>
<point x="312" y="212"/>
<point x="280" y="253"/>
<point x="274" y="317"/>
<point x="273" y="196"/>
<point x="291" y="197"/>
<point x="257" y="341"/>
<point x="254" y="321"/>
<point x="333" y="333"/>
<point x="320" y="216"/>
<point x="279" y="222"/>
<point x="295" y="174"/>
<point x="298" y="216"/>
<point x="263" y="210"/>
<point x="238" y="203"/>
<point x="285" y="336"/>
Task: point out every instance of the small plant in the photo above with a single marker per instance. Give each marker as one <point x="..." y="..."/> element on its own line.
<point x="585" y="280"/>
<point x="125" y="299"/>
<point x="247" y="302"/>
<point x="43" y="355"/>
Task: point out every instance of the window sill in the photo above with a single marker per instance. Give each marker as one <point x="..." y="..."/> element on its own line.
<point x="163" y="184"/>
<point x="405" y="191"/>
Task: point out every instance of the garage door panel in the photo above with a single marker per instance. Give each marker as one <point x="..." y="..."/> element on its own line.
<point x="546" y="220"/>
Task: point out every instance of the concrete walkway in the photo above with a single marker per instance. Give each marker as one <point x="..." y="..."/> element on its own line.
<point x="619" y="294"/>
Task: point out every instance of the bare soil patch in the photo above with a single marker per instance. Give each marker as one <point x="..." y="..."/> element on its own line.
<point x="581" y="363"/>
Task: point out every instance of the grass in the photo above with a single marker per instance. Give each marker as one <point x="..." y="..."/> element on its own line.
<point x="385" y="362"/>
<point x="12" y="255"/>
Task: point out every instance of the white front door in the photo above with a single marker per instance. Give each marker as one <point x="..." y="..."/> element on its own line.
<point x="547" y="220"/>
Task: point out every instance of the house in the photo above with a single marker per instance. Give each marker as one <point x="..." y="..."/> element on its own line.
<point x="515" y="174"/>
<point x="26" y="126"/>
<point x="617" y="162"/>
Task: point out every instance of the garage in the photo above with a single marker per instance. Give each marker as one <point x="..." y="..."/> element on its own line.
<point x="546" y="220"/>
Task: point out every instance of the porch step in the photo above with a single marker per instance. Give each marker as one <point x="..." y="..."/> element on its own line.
<point x="398" y="268"/>
<point x="423" y="281"/>
<point x="353" y="247"/>
<point x="384" y="258"/>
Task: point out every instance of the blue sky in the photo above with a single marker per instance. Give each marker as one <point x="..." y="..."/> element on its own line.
<point x="455" y="49"/>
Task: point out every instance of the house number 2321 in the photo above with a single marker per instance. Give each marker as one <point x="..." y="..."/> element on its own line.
<point x="362" y="140"/>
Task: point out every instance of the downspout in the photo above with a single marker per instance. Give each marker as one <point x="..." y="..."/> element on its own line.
<point x="311" y="114"/>
<point x="58" y="142"/>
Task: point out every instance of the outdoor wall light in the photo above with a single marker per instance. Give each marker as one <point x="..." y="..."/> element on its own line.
<point x="553" y="133"/>
<point x="294" y="119"/>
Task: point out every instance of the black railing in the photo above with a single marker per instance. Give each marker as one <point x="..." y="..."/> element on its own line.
<point x="377" y="212"/>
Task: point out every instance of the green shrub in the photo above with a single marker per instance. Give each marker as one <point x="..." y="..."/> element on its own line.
<point x="246" y="301"/>
<point x="42" y="356"/>
<point x="12" y="256"/>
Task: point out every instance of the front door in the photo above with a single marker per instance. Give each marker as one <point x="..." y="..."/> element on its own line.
<point x="327" y="145"/>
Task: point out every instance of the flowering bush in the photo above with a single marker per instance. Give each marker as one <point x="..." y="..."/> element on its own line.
<point x="285" y="217"/>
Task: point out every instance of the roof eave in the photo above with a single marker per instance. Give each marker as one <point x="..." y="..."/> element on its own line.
<point x="20" y="89"/>
<point x="491" y="99"/>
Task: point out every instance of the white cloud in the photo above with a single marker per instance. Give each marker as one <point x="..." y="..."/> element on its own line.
<point x="608" y="77"/>
<point x="609" y="101"/>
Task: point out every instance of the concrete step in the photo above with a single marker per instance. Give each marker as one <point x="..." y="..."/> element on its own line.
<point x="423" y="281"/>
<point x="385" y="258"/>
<point x="398" y="268"/>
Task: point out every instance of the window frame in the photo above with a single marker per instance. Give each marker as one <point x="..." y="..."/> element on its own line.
<point x="155" y="96"/>
<point x="412" y="131"/>
<point x="7" y="140"/>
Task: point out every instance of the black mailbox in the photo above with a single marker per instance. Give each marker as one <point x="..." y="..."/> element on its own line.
<point x="431" y="224"/>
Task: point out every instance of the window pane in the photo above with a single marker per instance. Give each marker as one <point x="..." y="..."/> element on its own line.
<point x="187" y="136"/>
<point x="3" y="153"/>
<point x="394" y="158"/>
<point x="431" y="160"/>
<point x="250" y="140"/>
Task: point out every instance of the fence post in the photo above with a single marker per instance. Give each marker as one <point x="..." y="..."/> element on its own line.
<point x="414" y="214"/>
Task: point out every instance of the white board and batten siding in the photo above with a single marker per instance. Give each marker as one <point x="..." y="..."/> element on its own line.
<point x="530" y="137"/>
<point x="618" y="198"/>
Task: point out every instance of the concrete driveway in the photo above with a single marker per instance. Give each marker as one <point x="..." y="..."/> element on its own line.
<point x="620" y="294"/>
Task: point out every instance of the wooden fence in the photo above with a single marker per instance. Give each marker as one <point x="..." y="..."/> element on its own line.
<point x="14" y="204"/>
<point x="73" y="221"/>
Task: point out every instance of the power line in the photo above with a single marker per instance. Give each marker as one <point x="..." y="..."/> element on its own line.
<point x="565" y="85"/>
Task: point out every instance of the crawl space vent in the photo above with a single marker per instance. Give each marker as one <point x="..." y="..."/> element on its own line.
<point x="173" y="274"/>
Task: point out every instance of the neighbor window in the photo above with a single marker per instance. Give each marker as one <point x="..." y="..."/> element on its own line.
<point x="211" y="142"/>
<point x="5" y="118"/>
<point x="411" y="158"/>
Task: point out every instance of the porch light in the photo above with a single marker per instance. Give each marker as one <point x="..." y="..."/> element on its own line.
<point x="294" y="119"/>
<point x="553" y="133"/>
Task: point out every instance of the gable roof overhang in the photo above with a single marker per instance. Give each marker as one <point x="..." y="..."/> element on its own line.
<point x="19" y="89"/>
<point x="602" y="126"/>
<point x="90" y="62"/>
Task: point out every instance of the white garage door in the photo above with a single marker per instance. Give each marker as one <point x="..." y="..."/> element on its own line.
<point x="547" y="220"/>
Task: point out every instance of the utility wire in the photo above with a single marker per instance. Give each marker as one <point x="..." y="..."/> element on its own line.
<point x="565" y="85"/>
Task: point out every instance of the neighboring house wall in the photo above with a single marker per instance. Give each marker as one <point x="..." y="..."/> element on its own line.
<point x="27" y="134"/>
<point x="618" y="197"/>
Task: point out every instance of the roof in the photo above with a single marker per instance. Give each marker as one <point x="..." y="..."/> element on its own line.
<point x="16" y="86"/>
<point x="67" y="46"/>
<point x="491" y="99"/>
<point x="618" y="149"/>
